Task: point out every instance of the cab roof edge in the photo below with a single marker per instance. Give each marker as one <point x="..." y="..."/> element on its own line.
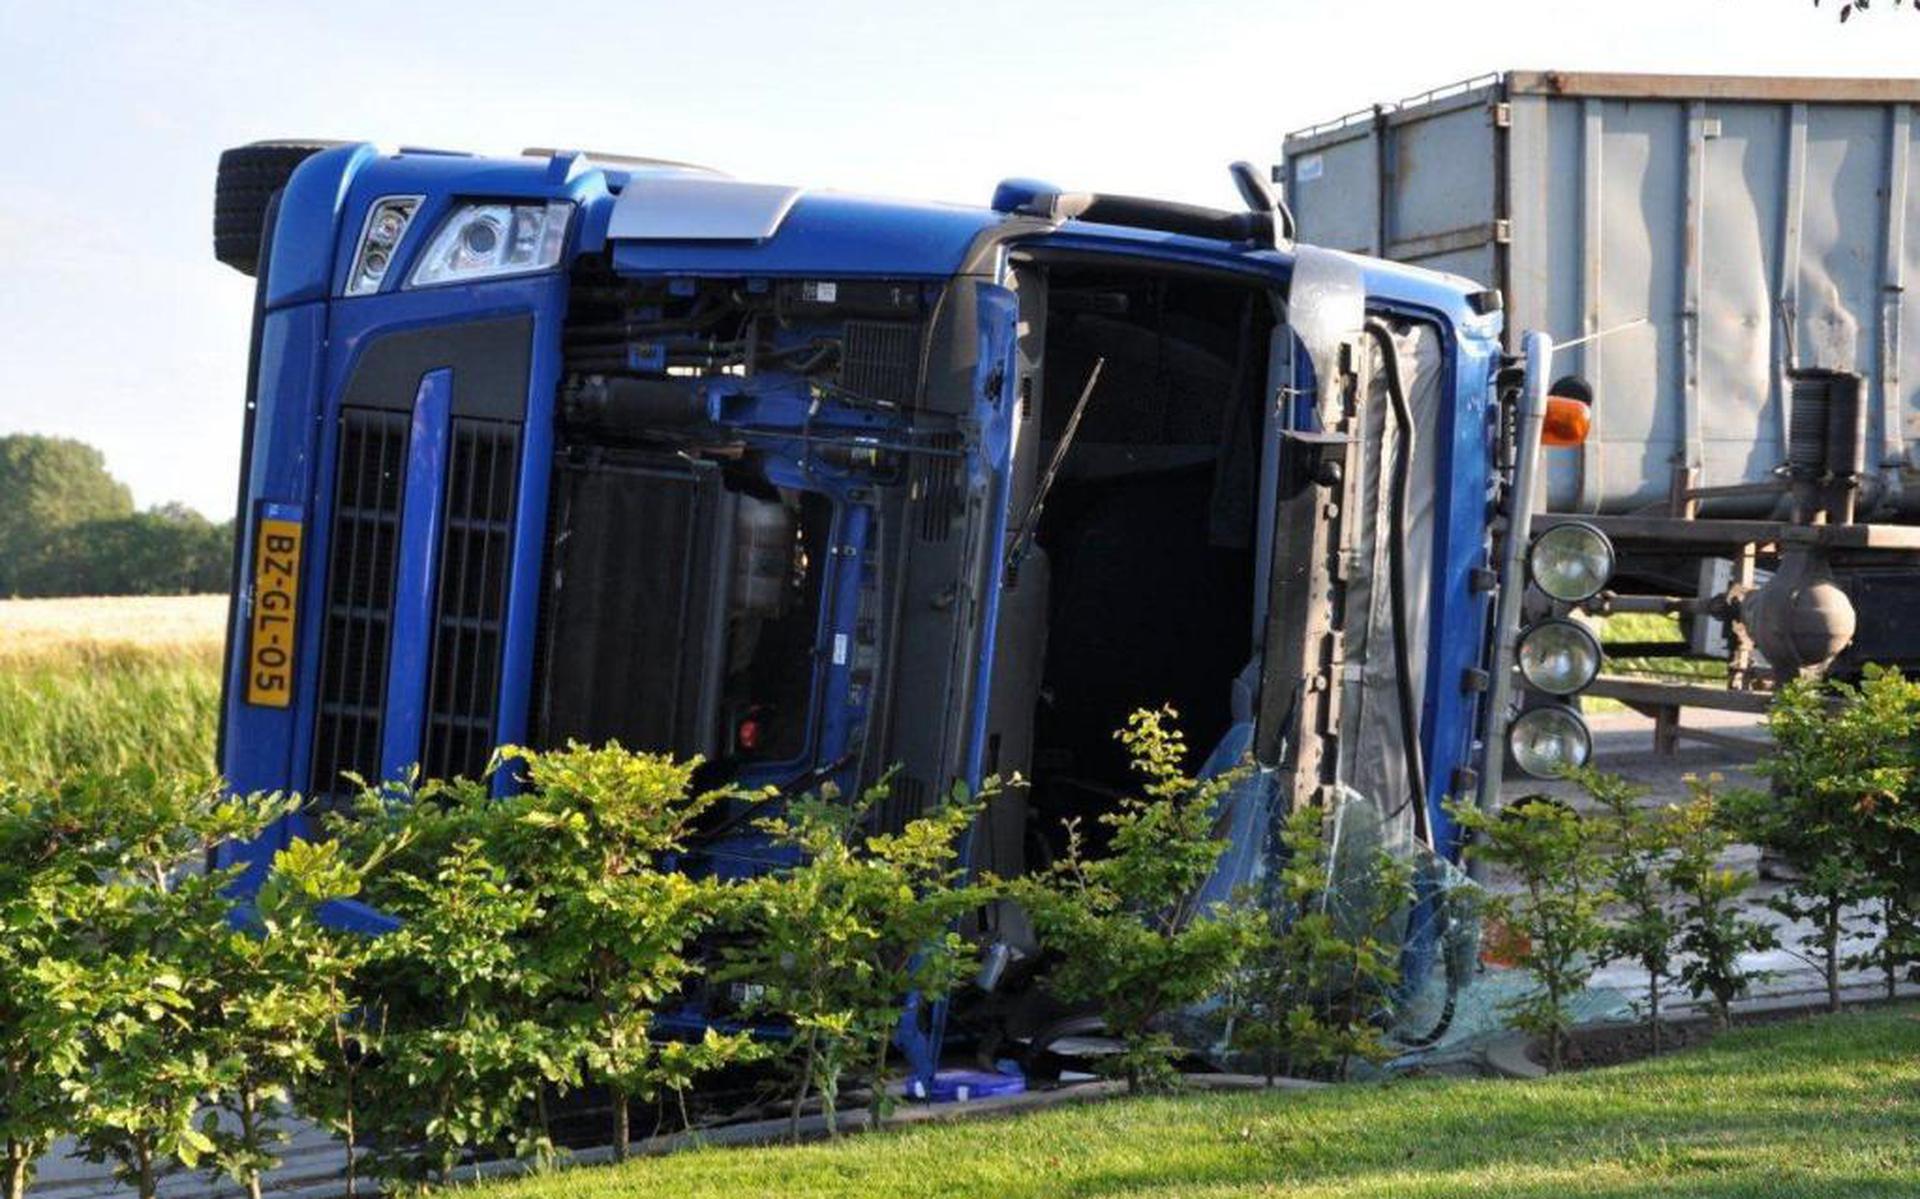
<point x="625" y="160"/>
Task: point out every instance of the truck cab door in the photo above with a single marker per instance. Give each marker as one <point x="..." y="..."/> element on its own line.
<point x="950" y="530"/>
<point x="1315" y="463"/>
<point x="948" y="534"/>
<point x="1343" y="708"/>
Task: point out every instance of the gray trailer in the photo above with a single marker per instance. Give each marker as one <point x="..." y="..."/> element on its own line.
<point x="1732" y="257"/>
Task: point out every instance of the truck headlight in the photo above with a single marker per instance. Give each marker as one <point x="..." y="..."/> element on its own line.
<point x="1571" y="562"/>
<point x="487" y="241"/>
<point x="387" y="223"/>
<point x="1545" y="741"/>
<point x="1559" y="657"/>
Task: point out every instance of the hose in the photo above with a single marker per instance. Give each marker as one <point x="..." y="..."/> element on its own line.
<point x="1402" y="658"/>
<point x="1430" y="1038"/>
<point x="1458" y="965"/>
<point x="1397" y="573"/>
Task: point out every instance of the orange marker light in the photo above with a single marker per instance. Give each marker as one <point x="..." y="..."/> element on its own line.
<point x="1567" y="422"/>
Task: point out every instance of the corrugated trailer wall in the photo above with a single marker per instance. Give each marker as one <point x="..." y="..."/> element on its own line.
<point x="1755" y="224"/>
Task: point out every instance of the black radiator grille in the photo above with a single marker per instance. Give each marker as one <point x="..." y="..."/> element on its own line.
<point x="368" y="485"/>
<point x="470" y="592"/>
<point x="880" y="360"/>
<point x="905" y="800"/>
<point x="639" y="553"/>
<point x="937" y="486"/>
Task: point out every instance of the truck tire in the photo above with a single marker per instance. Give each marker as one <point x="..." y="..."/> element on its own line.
<point x="248" y="178"/>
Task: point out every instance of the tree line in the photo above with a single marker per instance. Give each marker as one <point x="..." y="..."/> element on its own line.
<point x="1847" y="9"/>
<point x="68" y="527"/>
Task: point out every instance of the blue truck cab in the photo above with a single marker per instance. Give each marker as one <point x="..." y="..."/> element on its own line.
<point x="818" y="486"/>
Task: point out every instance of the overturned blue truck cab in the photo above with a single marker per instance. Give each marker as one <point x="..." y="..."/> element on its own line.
<point x="817" y="486"/>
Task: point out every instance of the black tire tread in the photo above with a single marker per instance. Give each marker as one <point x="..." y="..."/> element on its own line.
<point x="247" y="179"/>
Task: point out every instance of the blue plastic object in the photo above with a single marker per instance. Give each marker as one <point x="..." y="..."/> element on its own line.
<point x="1023" y="195"/>
<point x="963" y="1086"/>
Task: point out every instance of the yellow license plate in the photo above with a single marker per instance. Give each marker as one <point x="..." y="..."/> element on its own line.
<point x="276" y="590"/>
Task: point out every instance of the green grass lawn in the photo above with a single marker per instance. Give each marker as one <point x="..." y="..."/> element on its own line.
<point x="1642" y="626"/>
<point x="1822" y="1107"/>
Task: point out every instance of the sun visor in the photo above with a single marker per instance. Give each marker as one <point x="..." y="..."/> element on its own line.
<point x="686" y="207"/>
<point x="1326" y="306"/>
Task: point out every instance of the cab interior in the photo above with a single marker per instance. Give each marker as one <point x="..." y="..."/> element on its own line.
<point x="1138" y="590"/>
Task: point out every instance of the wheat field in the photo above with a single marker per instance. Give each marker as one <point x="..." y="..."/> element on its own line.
<point x="108" y="684"/>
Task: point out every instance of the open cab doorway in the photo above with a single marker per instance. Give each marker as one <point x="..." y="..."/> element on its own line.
<point x="1135" y="542"/>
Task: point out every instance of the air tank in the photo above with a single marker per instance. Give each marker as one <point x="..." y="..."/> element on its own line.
<point x="762" y="556"/>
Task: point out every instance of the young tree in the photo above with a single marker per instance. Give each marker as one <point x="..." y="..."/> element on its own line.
<point x="145" y="980"/>
<point x="1885" y="784"/>
<point x="1643" y="928"/>
<point x="283" y="992"/>
<point x="1713" y="932"/>
<point x="464" y="1059"/>
<point x="334" y="1042"/>
<point x="1124" y="927"/>
<point x="1557" y="912"/>
<point x="42" y="852"/>
<point x="594" y="834"/>
<point x="332" y="1096"/>
<point x="838" y="943"/>
<point x="1324" y="960"/>
<point x="541" y="932"/>
<point x="1841" y="808"/>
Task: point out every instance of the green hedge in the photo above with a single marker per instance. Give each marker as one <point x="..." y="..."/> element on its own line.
<point x="542" y="933"/>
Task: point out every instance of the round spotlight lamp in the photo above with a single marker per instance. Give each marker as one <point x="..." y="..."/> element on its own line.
<point x="1559" y="657"/>
<point x="1571" y="562"/>
<point x="1546" y="741"/>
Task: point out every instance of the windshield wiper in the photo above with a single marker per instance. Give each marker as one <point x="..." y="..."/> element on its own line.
<point x="1029" y="523"/>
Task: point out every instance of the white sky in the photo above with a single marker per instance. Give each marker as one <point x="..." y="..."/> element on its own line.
<point x="117" y="326"/>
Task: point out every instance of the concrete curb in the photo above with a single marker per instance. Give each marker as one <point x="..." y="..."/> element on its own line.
<point x="1507" y="1056"/>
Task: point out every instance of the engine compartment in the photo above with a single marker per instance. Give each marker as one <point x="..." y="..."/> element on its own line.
<point x="721" y="447"/>
<point x="720" y="440"/>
